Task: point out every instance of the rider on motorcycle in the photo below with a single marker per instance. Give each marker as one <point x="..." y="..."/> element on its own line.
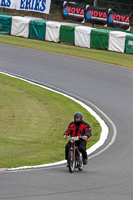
<point x="78" y="128"/>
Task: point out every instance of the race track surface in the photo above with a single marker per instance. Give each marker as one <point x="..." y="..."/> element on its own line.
<point x="108" y="176"/>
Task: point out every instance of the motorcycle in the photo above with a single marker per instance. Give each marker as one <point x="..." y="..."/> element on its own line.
<point x="75" y="158"/>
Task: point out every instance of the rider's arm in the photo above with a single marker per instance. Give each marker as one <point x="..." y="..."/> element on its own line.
<point x="87" y="130"/>
<point x="68" y="131"/>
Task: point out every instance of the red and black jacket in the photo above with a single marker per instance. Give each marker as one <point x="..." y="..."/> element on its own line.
<point x="78" y="129"/>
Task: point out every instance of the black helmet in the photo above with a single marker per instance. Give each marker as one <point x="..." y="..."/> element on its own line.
<point x="78" y="115"/>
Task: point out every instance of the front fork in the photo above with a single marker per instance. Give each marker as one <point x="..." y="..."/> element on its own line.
<point x="77" y="155"/>
<point x="73" y="150"/>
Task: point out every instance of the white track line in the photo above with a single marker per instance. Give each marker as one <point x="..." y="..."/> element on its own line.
<point x="104" y="133"/>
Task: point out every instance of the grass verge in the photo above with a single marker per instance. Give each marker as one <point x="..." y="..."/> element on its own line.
<point x="125" y="60"/>
<point x="32" y="123"/>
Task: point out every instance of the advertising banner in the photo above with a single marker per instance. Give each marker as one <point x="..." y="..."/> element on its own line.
<point x="96" y="15"/>
<point x="73" y="11"/>
<point x="31" y="5"/>
<point x="8" y="4"/>
<point x="118" y="20"/>
<point x="34" y="5"/>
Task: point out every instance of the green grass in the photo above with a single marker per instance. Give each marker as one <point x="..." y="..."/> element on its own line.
<point x="92" y="54"/>
<point x="32" y="123"/>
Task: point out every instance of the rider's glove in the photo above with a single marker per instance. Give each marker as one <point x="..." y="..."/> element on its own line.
<point x="84" y="137"/>
<point x="65" y="137"/>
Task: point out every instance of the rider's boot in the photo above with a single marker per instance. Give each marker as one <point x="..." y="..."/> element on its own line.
<point x="67" y="164"/>
<point x="85" y="161"/>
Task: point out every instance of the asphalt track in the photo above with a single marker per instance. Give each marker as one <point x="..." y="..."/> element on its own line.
<point x="108" y="176"/>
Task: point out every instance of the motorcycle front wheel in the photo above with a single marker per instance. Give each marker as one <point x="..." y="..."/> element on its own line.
<point x="71" y="161"/>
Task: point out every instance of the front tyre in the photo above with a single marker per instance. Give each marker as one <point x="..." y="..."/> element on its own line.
<point x="71" y="161"/>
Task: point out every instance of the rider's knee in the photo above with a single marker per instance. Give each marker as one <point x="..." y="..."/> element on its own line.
<point x="82" y="148"/>
<point x="67" y="146"/>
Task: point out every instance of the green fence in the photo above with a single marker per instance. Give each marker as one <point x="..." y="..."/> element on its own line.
<point x="5" y="24"/>
<point x="38" y="29"/>
<point x="129" y="44"/>
<point x="99" y="38"/>
<point x="67" y="34"/>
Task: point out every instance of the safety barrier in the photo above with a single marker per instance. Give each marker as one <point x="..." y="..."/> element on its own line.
<point x="69" y="33"/>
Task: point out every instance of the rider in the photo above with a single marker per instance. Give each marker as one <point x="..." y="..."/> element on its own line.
<point x="78" y="128"/>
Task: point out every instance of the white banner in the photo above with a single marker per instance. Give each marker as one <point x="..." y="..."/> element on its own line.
<point x="8" y="4"/>
<point x="34" y="5"/>
<point x="31" y="5"/>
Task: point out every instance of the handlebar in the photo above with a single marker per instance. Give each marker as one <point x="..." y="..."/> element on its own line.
<point x="75" y="138"/>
